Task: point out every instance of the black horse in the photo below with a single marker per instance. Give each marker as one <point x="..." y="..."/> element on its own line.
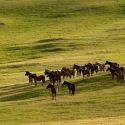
<point x="78" y="69"/>
<point x="70" y="86"/>
<point x="53" y="91"/>
<point x="67" y="73"/>
<point x="30" y="76"/>
<point x="112" y="64"/>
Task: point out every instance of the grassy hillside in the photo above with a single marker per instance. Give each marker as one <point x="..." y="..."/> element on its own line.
<point x="39" y="34"/>
<point x="96" y="98"/>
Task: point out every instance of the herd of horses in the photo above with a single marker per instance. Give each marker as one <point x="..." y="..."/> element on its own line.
<point x="87" y="70"/>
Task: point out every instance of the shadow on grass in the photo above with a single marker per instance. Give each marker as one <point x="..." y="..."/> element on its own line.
<point x="51" y="40"/>
<point x="22" y="92"/>
<point x="96" y="83"/>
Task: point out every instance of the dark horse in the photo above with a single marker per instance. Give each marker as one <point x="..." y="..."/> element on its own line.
<point x="78" y="69"/>
<point x="112" y="64"/>
<point x="53" y="91"/>
<point x="30" y="76"/>
<point x="54" y="76"/>
<point x="116" y="73"/>
<point x="70" y="86"/>
<point x="39" y="78"/>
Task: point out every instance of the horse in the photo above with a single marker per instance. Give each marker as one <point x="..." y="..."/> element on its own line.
<point x="115" y="73"/>
<point x="66" y="72"/>
<point x="112" y="64"/>
<point x="120" y="71"/>
<point x="53" y="90"/>
<point x="92" y="68"/>
<point x="95" y="67"/>
<point x="77" y="68"/>
<point x="39" y="78"/>
<point x="30" y="76"/>
<point x="54" y="76"/>
<point x="101" y="66"/>
<point x="70" y="86"/>
<point x="85" y="72"/>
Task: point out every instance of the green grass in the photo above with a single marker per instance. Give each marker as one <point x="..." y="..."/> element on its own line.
<point x="96" y="97"/>
<point x="39" y="34"/>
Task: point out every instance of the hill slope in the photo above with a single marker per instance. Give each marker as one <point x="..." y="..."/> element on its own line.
<point x="39" y="34"/>
<point x="98" y="99"/>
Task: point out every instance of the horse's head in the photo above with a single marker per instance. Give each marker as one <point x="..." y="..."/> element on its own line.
<point x="107" y="62"/>
<point x="27" y="73"/>
<point x="107" y="69"/>
<point x="46" y="72"/>
<point x="64" y="83"/>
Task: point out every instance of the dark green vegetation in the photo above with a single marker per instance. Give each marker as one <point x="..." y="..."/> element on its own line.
<point x="39" y="34"/>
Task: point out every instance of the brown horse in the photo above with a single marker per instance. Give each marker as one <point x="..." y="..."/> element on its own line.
<point x="53" y="91"/>
<point x="67" y="73"/>
<point x="85" y="72"/>
<point x="92" y="68"/>
<point x="54" y="76"/>
<point x="116" y="73"/>
<point x="39" y="78"/>
<point x="78" y="69"/>
<point x="30" y="76"/>
<point x="112" y="64"/>
<point x="101" y="66"/>
<point x="70" y="86"/>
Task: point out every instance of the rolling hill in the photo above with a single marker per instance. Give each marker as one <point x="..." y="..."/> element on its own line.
<point x="39" y="34"/>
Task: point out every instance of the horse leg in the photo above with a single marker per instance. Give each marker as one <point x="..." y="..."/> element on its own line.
<point x="70" y="93"/>
<point x="112" y="76"/>
<point x="83" y="76"/>
<point x="35" y="83"/>
<point x="55" y="96"/>
<point x="122" y="78"/>
<point x="118" y="78"/>
<point x="30" y="81"/>
<point x="52" y="96"/>
<point x="73" y="92"/>
<point x="43" y="80"/>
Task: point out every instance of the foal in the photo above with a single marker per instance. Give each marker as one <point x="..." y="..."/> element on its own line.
<point x="70" y="86"/>
<point x="53" y="91"/>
